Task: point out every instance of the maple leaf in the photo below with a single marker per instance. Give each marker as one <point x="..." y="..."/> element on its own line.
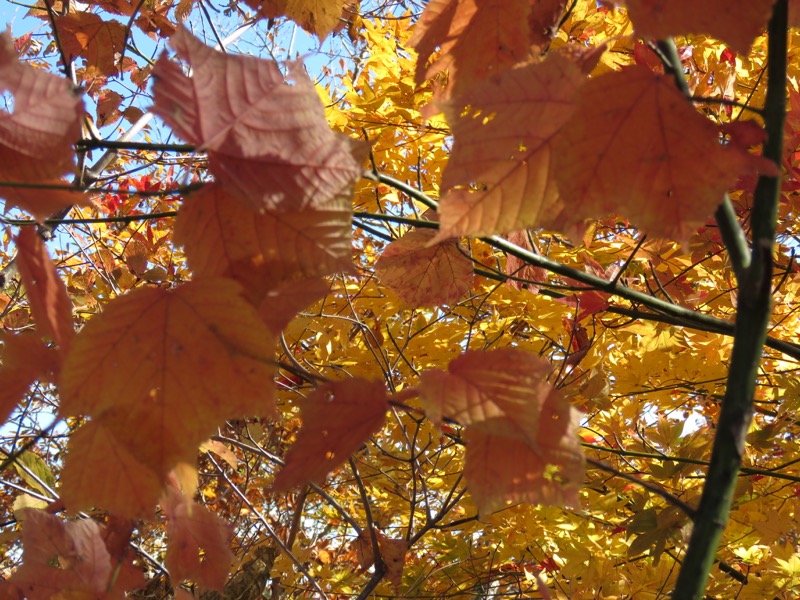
<point x="737" y="22"/>
<point x="281" y="303"/>
<point x="510" y="410"/>
<point x="635" y="147"/>
<point x="393" y="554"/>
<point x="67" y="560"/>
<point x="519" y="268"/>
<point x="86" y="35"/>
<point x="175" y="364"/>
<point x="36" y="138"/>
<point x="47" y="294"/>
<point x="198" y="544"/>
<point x="319" y="17"/>
<point x="338" y="418"/>
<point x="223" y="237"/>
<point x="425" y="274"/>
<point x="26" y="359"/>
<point x="267" y="141"/>
<point x="505" y="132"/>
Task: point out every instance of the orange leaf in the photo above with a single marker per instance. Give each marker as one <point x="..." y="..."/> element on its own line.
<point x="68" y="560"/>
<point x="423" y="274"/>
<point x="47" y="294"/>
<point x="505" y="132"/>
<point x="172" y="363"/>
<point x="36" y="138"/>
<point x="40" y="202"/>
<point x="476" y="39"/>
<point x="337" y="419"/>
<point x="25" y="360"/>
<point x="736" y="22"/>
<point x="223" y="237"/>
<point x="522" y="443"/>
<point x="319" y="17"/>
<point x="86" y="35"/>
<point x="521" y="269"/>
<point x="636" y="147"/>
<point x="101" y="470"/>
<point x="198" y="541"/>
<point x="283" y="302"/>
<point x="393" y="554"/>
<point x="266" y="140"/>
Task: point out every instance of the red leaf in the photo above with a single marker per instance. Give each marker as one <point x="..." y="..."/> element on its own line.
<point x="266" y="140"/>
<point x="425" y="274"/>
<point x="337" y="419"/>
<point x="47" y="294"/>
<point x="25" y="360"/>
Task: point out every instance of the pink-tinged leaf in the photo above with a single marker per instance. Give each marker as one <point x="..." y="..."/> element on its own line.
<point x="85" y="35"/>
<point x="267" y="141"/>
<point x="198" y="541"/>
<point x="101" y="472"/>
<point x="736" y="22"/>
<point x="47" y="294"/>
<point x="502" y="470"/>
<point x="223" y="237"/>
<point x="175" y="363"/>
<point x="40" y="202"/>
<point x="66" y="560"/>
<point x="476" y="39"/>
<point x="505" y="132"/>
<point x="522" y="443"/>
<point x="337" y="419"/>
<point x="425" y="274"/>
<point x="283" y="302"/>
<point x="25" y="360"/>
<point x="520" y="269"/>
<point x="36" y="138"/>
<point x="636" y="147"/>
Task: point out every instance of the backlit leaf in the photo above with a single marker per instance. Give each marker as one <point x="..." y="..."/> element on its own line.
<point x="36" y="138"/>
<point x="337" y="419"/>
<point x="26" y="359"/>
<point x="267" y="140"/>
<point x="635" y="147"/>
<point x="736" y="22"/>
<point x="175" y="363"/>
<point x="319" y="17"/>
<point x="86" y="35"/>
<point x="47" y="294"/>
<point x="198" y="544"/>
<point x="505" y="132"/>
<point x="223" y="237"/>
<point x="522" y="442"/>
<point x="423" y="274"/>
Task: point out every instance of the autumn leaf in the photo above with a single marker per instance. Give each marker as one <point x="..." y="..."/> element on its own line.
<point x="338" y="418"/>
<point x="223" y="237"/>
<point x="519" y="269"/>
<point x="68" y="559"/>
<point x="425" y="274"/>
<point x="26" y="359"/>
<point x="176" y="363"/>
<point x="505" y="132"/>
<point x="198" y="541"/>
<point x="86" y="35"/>
<point x="636" y="147"/>
<point x="736" y="22"/>
<point x="270" y="144"/>
<point x="47" y="294"/>
<point x="522" y="441"/>
<point x="36" y="138"/>
<point x="319" y="17"/>
<point x="282" y="302"/>
<point x="393" y="554"/>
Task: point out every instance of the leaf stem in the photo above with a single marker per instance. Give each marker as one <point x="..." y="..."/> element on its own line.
<point x="752" y="320"/>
